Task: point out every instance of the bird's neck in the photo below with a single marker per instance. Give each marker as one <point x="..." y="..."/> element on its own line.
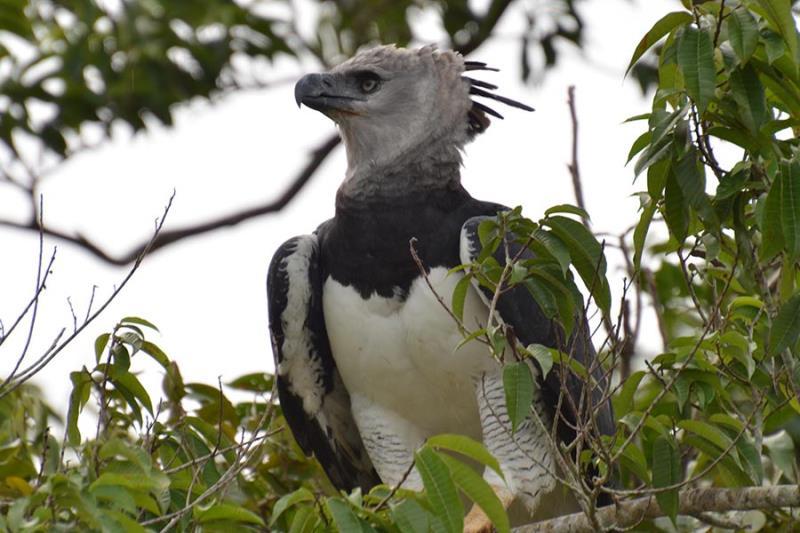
<point x="435" y="167"/>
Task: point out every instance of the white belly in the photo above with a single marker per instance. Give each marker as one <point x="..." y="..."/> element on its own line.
<point x="401" y="356"/>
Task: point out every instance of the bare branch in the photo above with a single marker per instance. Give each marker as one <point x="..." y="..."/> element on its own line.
<point x="163" y="239"/>
<point x="486" y="25"/>
<point x="10" y="385"/>
<point x="573" y="166"/>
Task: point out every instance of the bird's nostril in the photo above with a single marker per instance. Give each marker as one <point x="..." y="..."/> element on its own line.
<point x="327" y="82"/>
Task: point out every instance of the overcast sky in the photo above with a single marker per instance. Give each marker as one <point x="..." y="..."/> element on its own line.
<point x="207" y="294"/>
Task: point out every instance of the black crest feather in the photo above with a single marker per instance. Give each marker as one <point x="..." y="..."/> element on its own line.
<point x="477" y="116"/>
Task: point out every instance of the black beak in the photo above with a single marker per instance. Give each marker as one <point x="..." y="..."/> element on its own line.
<point x="323" y="92"/>
<point x="310" y="86"/>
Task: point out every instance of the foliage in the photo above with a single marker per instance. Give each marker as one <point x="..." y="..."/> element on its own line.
<point x="143" y="462"/>
<point x="94" y="65"/>
<point x="720" y="159"/>
<point x="715" y="251"/>
<point x="196" y="458"/>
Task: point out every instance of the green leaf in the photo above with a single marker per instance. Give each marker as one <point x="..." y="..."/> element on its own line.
<point x="748" y="92"/>
<point x="786" y="326"/>
<point x="623" y="401"/>
<point x="553" y="246"/>
<point x="696" y="61"/>
<point x="137" y="320"/>
<point x="81" y="388"/>
<point x="779" y="15"/>
<point x="790" y="207"/>
<point x="690" y="175"/>
<point x="657" y="151"/>
<point x="460" y="295"/>
<point x="121" y="358"/>
<point x="117" y="447"/>
<point x="752" y="459"/>
<point x="664" y="25"/>
<point x="156" y="353"/>
<point x="441" y="489"/>
<point x="640" y="233"/>
<point x="772" y="241"/>
<point x="288" y="501"/>
<point x="410" y="517"/>
<point x="543" y="295"/>
<point x="479" y="491"/>
<point x="666" y="472"/>
<point x="544" y="356"/>
<point x="253" y="382"/>
<point x="774" y="45"/>
<point x="711" y="433"/>
<point x="129" y="382"/>
<point x="639" y="145"/>
<point x="567" y="208"/>
<point x="126" y="479"/>
<point x="467" y="447"/>
<point x="587" y="257"/>
<point x="676" y="211"/>
<point x="226" y="511"/>
<point x="344" y="517"/>
<point x="471" y="337"/>
<point x="487" y="231"/>
<point x="568" y="360"/>
<point x="518" y="387"/>
<point x="780" y="448"/>
<point x="129" y="525"/>
<point x="518" y="273"/>
<point x="743" y="33"/>
<point x="732" y="183"/>
<point x="100" y="345"/>
<point x="304" y="520"/>
<point x="657" y="179"/>
<point x="633" y="459"/>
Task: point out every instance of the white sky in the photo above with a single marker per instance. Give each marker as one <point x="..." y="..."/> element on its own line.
<point x="207" y="294"/>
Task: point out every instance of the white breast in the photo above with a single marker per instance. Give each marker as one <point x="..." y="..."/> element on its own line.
<point x="401" y="356"/>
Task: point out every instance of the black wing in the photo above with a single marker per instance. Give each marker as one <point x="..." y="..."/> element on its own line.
<point x="518" y="309"/>
<point x="315" y="403"/>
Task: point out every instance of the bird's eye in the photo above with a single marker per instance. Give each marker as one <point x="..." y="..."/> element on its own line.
<point x="368" y="84"/>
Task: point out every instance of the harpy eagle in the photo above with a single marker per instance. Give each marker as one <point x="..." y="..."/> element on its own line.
<point x="365" y="354"/>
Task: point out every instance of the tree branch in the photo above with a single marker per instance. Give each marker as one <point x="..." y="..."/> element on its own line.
<point x="692" y="502"/>
<point x="318" y="156"/>
<point x="486" y="25"/>
<point x="573" y="166"/>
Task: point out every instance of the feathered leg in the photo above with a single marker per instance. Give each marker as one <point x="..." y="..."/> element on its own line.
<point x="524" y="455"/>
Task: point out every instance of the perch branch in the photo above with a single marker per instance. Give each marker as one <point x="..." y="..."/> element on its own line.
<point x="692" y="502"/>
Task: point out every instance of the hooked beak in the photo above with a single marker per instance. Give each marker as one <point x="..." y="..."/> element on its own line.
<point x="324" y="93"/>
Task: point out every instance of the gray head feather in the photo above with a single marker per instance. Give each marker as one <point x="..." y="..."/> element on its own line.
<point x="396" y="106"/>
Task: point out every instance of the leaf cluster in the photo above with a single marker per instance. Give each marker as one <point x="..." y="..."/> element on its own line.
<point x="720" y="158"/>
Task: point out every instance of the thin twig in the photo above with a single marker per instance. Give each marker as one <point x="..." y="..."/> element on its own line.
<point x="573" y="166"/>
<point x="37" y="293"/>
<point x="394" y="489"/>
<point x="9" y="386"/>
<point x="655" y="401"/>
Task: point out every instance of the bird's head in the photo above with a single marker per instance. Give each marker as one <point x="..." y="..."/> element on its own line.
<point x="392" y="103"/>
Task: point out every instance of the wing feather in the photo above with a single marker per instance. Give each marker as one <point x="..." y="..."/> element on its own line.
<point x="315" y="403"/>
<point x="518" y="309"/>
